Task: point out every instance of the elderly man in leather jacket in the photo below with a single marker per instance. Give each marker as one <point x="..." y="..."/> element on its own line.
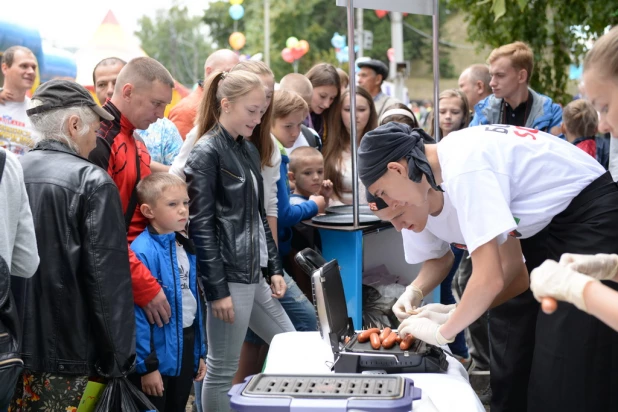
<point x="78" y="309"/>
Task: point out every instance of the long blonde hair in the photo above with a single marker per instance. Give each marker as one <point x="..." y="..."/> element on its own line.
<point x="340" y="140"/>
<point x="465" y="107"/>
<point x="261" y="134"/>
<point x="232" y="86"/>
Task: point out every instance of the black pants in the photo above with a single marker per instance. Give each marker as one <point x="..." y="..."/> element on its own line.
<point x="478" y="330"/>
<point x="176" y="388"/>
<point x="567" y="361"/>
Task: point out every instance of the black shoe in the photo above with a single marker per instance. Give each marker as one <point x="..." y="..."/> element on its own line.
<point x="485" y="395"/>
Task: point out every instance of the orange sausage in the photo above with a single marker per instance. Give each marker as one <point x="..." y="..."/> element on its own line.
<point x="406" y="343"/>
<point x="399" y="339"/>
<point x="389" y="342"/>
<point x="549" y="305"/>
<point x="375" y="341"/>
<point x="385" y="334"/>
<point x="364" y="335"/>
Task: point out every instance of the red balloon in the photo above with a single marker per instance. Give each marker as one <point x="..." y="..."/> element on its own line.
<point x="381" y="13"/>
<point x="287" y="56"/>
<point x="297" y="53"/>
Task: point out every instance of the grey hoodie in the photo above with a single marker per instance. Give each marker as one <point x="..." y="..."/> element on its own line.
<point x="17" y="240"/>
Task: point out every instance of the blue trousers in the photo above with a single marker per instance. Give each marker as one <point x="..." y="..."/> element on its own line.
<point x="458" y="347"/>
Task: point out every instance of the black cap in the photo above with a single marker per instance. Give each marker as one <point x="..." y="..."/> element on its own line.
<point x="377" y="66"/>
<point x="60" y="94"/>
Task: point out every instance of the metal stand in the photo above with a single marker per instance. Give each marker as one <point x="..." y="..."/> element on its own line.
<point x="424" y="7"/>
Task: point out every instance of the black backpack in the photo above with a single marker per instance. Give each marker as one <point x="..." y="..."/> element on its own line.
<point x="313" y="140"/>
<point x="11" y="364"/>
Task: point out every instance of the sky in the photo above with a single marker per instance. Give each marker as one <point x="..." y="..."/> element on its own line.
<point x="71" y="23"/>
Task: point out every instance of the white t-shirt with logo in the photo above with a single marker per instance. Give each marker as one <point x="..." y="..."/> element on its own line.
<point x="503" y="179"/>
<point x="16" y="131"/>
<point x="189" y="303"/>
<point x="434" y="241"/>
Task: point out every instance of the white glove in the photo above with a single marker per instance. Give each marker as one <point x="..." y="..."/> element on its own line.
<point x="435" y="311"/>
<point x="423" y="329"/>
<point x="408" y="301"/>
<point x="559" y="282"/>
<point x="600" y="266"/>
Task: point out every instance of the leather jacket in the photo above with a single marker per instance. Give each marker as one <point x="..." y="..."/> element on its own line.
<point x="225" y="214"/>
<point x="78" y="311"/>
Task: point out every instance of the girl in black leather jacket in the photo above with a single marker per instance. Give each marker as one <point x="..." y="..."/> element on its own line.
<point x="236" y="253"/>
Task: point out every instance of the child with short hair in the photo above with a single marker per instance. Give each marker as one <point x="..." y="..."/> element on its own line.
<point x="168" y="357"/>
<point x="580" y="123"/>
<point x="306" y="173"/>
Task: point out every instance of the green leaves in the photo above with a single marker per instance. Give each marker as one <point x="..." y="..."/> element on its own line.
<point x="499" y="8"/>
<point x="558" y="32"/>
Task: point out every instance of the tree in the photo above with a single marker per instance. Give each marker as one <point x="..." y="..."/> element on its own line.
<point x="315" y="21"/>
<point x="558" y="32"/>
<point x="178" y="41"/>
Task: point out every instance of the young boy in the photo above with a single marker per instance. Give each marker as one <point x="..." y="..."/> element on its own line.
<point x="168" y="358"/>
<point x="306" y="174"/>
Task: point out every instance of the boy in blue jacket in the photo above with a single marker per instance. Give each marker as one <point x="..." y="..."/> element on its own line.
<point x="168" y="357"/>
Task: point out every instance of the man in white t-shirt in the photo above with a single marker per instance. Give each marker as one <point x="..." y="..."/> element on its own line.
<point x="504" y="183"/>
<point x="19" y="69"/>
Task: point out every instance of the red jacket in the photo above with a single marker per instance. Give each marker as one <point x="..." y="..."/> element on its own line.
<point x="115" y="152"/>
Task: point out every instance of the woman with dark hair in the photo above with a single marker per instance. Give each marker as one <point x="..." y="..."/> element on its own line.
<point x="326" y="94"/>
<point x="399" y="113"/>
<point x="337" y="151"/>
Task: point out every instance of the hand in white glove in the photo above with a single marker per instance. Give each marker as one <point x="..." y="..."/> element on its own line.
<point x="560" y="282"/>
<point x="408" y="301"/>
<point x="435" y="311"/>
<point x="600" y="266"/>
<point x="423" y="329"/>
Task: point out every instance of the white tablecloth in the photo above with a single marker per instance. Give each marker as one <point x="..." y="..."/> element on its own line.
<point x="307" y="353"/>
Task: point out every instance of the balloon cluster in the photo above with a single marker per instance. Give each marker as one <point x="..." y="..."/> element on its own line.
<point x="338" y="41"/>
<point x="294" y="49"/>
<point x="237" y="40"/>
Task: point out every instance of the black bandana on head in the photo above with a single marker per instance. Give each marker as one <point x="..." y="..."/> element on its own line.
<point x="390" y="143"/>
<point x="375" y="203"/>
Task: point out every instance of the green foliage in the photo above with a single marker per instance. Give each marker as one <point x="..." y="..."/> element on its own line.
<point x="556" y="30"/>
<point x="178" y="41"/>
<point x="315" y="21"/>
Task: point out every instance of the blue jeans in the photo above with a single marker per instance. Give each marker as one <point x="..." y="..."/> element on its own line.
<point x="458" y="347"/>
<point x="300" y="311"/>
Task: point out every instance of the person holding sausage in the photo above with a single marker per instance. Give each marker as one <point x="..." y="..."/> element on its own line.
<point x="236" y="254"/>
<point x="504" y="183"/>
<point x="576" y="278"/>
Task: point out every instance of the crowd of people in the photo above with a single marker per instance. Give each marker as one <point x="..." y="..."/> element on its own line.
<point x="158" y="249"/>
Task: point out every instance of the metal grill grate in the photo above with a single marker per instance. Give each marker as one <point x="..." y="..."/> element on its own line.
<point x="329" y="386"/>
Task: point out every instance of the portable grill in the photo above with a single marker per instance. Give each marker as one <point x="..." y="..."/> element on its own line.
<point x="336" y="328"/>
<point x="332" y="393"/>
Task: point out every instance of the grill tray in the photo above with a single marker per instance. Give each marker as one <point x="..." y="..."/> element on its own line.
<point x="329" y="386"/>
<point x="418" y="346"/>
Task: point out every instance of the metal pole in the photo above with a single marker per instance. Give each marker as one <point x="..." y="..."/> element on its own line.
<point x="267" y="32"/>
<point x="436" y="71"/>
<point x="361" y="33"/>
<point x="397" y="43"/>
<point x="353" y="148"/>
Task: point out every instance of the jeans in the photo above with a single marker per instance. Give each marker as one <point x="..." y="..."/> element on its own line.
<point x="458" y="347"/>
<point x="253" y="306"/>
<point x="300" y="311"/>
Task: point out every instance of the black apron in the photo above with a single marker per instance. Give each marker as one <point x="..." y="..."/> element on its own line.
<point x="567" y="361"/>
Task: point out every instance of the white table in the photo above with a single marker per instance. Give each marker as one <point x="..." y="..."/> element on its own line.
<point x="307" y="353"/>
